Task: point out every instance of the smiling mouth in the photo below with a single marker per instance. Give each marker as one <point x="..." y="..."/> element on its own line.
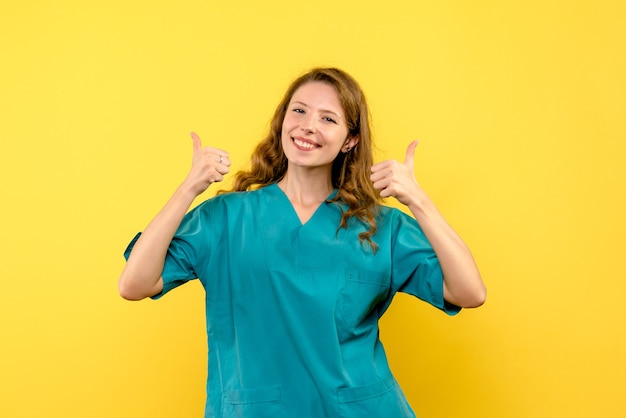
<point x="305" y="145"/>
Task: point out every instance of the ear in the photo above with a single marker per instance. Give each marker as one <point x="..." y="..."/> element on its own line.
<point x="350" y="143"/>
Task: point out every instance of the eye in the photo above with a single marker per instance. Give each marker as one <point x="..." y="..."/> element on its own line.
<point x="297" y="110"/>
<point x="329" y="119"/>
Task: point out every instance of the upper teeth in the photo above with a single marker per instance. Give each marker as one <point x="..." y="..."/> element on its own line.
<point x="303" y="144"/>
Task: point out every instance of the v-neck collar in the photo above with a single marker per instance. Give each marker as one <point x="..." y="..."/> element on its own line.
<point x="294" y="214"/>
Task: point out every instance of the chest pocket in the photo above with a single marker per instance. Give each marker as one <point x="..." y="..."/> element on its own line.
<point x="361" y="293"/>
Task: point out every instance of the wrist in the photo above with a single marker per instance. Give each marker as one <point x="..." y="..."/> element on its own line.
<point x="189" y="191"/>
<point x="419" y="202"/>
<point x="191" y="186"/>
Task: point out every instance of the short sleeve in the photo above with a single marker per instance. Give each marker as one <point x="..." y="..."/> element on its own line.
<point x="415" y="266"/>
<point x="184" y="253"/>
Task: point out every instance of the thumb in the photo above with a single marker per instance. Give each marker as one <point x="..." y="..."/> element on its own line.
<point x="409" y="159"/>
<point x="197" y="143"/>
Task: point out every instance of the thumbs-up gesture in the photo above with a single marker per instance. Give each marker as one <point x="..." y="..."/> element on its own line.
<point x="397" y="179"/>
<point x="209" y="165"/>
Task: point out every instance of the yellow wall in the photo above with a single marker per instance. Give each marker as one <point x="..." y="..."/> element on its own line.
<point x="520" y="108"/>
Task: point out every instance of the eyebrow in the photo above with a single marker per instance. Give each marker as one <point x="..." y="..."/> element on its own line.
<point x="322" y="110"/>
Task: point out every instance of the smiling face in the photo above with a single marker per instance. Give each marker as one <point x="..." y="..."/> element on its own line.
<point x="314" y="129"/>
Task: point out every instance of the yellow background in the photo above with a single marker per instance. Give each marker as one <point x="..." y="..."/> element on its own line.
<point x="520" y="107"/>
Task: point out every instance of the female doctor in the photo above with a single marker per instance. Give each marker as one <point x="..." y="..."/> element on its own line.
<point x="300" y="260"/>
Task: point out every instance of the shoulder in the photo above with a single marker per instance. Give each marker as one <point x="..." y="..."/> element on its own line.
<point x="387" y="214"/>
<point x="391" y="219"/>
<point x="233" y="200"/>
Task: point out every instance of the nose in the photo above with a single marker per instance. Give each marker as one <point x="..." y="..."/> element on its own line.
<point x="308" y="124"/>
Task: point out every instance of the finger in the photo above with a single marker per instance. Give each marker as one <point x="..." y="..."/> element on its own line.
<point x="381" y="166"/>
<point x="224" y="160"/>
<point x="381" y="183"/>
<point x="222" y="169"/>
<point x="215" y="152"/>
<point x="197" y="143"/>
<point x="217" y="155"/>
<point x="409" y="159"/>
<point x="376" y="167"/>
<point x="221" y="159"/>
<point x="378" y="175"/>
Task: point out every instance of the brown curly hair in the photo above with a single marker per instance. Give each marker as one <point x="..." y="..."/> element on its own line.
<point x="350" y="170"/>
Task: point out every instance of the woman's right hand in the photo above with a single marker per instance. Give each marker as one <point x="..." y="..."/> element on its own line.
<point x="141" y="276"/>
<point x="209" y="165"/>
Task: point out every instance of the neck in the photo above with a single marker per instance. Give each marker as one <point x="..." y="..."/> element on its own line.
<point x="306" y="187"/>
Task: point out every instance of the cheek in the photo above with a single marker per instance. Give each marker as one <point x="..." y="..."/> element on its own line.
<point x="284" y="132"/>
<point x="288" y="123"/>
<point x="342" y="137"/>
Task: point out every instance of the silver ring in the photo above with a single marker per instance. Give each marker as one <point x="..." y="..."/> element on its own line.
<point x="220" y="158"/>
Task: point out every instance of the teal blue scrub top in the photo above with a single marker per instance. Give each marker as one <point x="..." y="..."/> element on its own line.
<point x="292" y="310"/>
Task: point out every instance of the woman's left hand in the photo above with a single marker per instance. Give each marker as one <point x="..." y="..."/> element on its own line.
<point x="397" y="179"/>
<point x="462" y="284"/>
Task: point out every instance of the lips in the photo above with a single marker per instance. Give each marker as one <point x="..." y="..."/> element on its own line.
<point x="304" y="144"/>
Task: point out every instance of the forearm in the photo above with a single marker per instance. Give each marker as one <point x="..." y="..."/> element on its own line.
<point x="463" y="285"/>
<point x="141" y="276"/>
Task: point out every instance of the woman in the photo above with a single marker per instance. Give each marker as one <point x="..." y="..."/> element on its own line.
<point x="300" y="261"/>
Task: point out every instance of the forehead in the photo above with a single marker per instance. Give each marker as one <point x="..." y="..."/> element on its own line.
<point x="318" y="94"/>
